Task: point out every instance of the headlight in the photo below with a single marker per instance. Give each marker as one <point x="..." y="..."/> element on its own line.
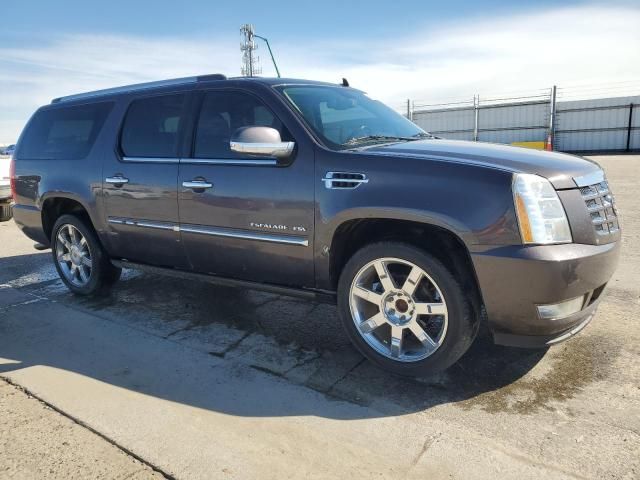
<point x="541" y="217"/>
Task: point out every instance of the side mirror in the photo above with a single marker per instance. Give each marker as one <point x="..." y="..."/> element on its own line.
<point x="260" y="141"/>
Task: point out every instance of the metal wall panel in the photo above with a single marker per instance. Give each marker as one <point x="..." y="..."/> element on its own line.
<point x="580" y="125"/>
<point x="514" y="115"/>
<point x="597" y="124"/>
<point x="447" y="122"/>
<point x="510" y="136"/>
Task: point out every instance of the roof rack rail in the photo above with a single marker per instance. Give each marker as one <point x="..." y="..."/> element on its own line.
<point x="212" y="76"/>
<point x="140" y="86"/>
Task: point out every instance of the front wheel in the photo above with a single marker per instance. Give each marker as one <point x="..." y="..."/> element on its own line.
<point x="81" y="261"/>
<point x="404" y="310"/>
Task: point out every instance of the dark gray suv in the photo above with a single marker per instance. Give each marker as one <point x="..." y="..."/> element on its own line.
<point x="314" y="189"/>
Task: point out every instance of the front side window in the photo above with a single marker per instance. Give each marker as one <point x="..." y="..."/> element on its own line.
<point x="344" y="118"/>
<point x="222" y="113"/>
<point x="151" y="127"/>
<point x="64" y="133"/>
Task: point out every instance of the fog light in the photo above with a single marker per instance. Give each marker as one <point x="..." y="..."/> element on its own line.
<point x="561" y="310"/>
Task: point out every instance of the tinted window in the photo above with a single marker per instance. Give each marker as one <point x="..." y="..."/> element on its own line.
<point x="151" y="127"/>
<point x="223" y="113"/>
<point x="63" y="133"/>
<point x="344" y="117"/>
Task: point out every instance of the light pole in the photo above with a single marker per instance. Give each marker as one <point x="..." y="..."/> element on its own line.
<point x="270" y="53"/>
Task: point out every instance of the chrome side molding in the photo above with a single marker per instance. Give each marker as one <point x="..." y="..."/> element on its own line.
<point x="151" y="159"/>
<point x="238" y="162"/>
<point x="213" y="231"/>
<point x="144" y="223"/>
<point x="246" y="234"/>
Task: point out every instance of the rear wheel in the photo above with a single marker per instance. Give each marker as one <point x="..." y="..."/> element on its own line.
<point x="404" y="310"/>
<point x="81" y="261"/>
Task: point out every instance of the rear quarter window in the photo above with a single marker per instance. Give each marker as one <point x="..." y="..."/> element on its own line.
<point x="63" y="133"/>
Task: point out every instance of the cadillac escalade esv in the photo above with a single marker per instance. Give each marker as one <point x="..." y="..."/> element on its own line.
<point x="315" y="189"/>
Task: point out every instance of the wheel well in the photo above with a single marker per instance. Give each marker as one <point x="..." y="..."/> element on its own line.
<point x="447" y="247"/>
<point x="54" y="208"/>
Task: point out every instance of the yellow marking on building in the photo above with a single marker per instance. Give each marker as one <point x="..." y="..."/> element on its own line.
<point x="534" y="145"/>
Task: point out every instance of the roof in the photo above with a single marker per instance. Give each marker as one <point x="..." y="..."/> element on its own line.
<point x="211" y="78"/>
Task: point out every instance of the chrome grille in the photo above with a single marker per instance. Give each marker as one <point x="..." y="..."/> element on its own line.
<point x="601" y="207"/>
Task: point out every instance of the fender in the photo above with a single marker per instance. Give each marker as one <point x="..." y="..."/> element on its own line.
<point x="58" y="194"/>
<point x="326" y="233"/>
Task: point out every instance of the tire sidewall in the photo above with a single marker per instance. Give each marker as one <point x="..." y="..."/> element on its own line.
<point x="460" y="329"/>
<point x="95" y="283"/>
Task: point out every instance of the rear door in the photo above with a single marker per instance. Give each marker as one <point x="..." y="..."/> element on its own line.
<point x="140" y="182"/>
<point x="252" y="218"/>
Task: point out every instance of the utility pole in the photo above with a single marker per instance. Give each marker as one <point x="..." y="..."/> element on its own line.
<point x="550" y="145"/>
<point x="270" y="53"/>
<point x="247" y="46"/>
<point x="476" y="115"/>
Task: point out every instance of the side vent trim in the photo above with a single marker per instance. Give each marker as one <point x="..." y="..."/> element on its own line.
<point x="344" y="180"/>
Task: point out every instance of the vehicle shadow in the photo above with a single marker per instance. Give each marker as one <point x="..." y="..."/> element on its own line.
<point x="300" y="343"/>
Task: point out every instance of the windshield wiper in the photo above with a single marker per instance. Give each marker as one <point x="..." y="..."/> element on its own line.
<point x="385" y="138"/>
<point x="421" y="135"/>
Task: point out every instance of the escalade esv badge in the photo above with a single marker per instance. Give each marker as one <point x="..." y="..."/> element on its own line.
<point x="271" y="226"/>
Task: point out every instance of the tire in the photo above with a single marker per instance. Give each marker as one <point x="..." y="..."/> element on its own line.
<point x="80" y="259"/>
<point x="369" y="307"/>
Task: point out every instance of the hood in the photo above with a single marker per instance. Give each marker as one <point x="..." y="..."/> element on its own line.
<point x="559" y="168"/>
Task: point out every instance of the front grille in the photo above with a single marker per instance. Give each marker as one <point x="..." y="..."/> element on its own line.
<point x="601" y="207"/>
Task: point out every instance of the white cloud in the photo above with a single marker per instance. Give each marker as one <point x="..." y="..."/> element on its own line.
<point x="521" y="52"/>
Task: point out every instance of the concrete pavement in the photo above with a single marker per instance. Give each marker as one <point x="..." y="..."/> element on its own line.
<point x="206" y="382"/>
<point x="38" y="442"/>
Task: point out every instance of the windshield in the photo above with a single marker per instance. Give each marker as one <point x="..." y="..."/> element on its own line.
<point x="347" y="118"/>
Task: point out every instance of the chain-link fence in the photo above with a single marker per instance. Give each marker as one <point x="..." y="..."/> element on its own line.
<point x="571" y="119"/>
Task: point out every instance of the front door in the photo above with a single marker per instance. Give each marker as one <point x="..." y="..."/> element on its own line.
<point x="240" y="216"/>
<point x="140" y="183"/>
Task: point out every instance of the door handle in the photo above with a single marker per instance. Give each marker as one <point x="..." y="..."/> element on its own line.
<point x="117" y="180"/>
<point x="197" y="185"/>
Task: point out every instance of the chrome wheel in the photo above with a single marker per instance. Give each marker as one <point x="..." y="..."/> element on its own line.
<point x="73" y="255"/>
<point x="398" y="309"/>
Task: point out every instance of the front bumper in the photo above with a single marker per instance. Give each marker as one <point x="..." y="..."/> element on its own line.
<point x="514" y="280"/>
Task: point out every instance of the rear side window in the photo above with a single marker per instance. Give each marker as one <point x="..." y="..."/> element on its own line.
<point x="63" y="133"/>
<point x="151" y="127"/>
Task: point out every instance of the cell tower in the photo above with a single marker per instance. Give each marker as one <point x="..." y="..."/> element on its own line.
<point x="247" y="46"/>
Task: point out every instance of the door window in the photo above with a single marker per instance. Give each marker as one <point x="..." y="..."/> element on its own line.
<point x="222" y="114"/>
<point x="151" y="127"/>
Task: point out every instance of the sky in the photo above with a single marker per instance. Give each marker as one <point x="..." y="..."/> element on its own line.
<point x="427" y="51"/>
